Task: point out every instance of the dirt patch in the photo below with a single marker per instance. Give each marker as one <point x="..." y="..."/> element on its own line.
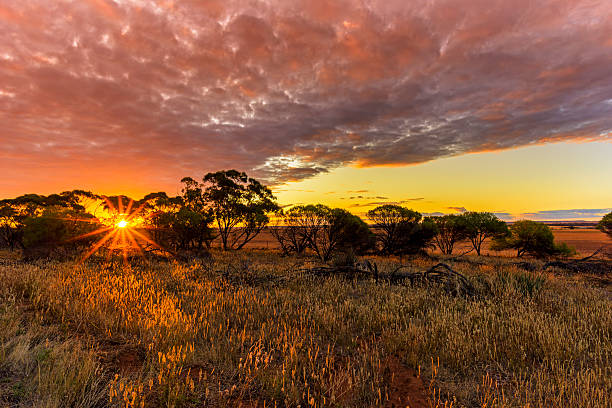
<point x="406" y="389"/>
<point x="129" y="360"/>
<point x="125" y="359"/>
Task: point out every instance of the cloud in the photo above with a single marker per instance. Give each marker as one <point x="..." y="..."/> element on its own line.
<point x="584" y="213"/>
<point x="377" y="203"/>
<point x="458" y="209"/>
<point x="368" y="198"/>
<point x="504" y="216"/>
<point x="287" y="90"/>
<point x="434" y="214"/>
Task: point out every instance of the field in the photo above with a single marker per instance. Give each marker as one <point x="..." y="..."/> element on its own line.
<point x="255" y="329"/>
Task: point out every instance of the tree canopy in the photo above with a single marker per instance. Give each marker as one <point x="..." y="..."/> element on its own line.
<point x="236" y="200"/>
<point x="482" y="225"/>
<point x="605" y="224"/>
<point x="531" y="238"/>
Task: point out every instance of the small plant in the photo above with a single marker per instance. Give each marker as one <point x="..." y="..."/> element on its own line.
<point x="527" y="284"/>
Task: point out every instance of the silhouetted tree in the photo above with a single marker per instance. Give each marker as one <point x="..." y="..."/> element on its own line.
<point x="240" y="205"/>
<point x="296" y="228"/>
<point x="533" y="238"/>
<point x="450" y="229"/>
<point x="605" y="224"/>
<point x="14" y="212"/>
<point x="335" y="229"/>
<point x="482" y="225"/>
<point x="11" y="226"/>
<point x="393" y="223"/>
<point x="414" y="237"/>
<point x="176" y="225"/>
<point x="56" y="229"/>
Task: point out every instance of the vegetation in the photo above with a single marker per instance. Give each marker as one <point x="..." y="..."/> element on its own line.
<point x="400" y="230"/>
<point x="246" y="328"/>
<point x="288" y="329"/>
<point x="323" y="230"/>
<point x="340" y="231"/>
<point x="14" y="212"/>
<point x="480" y="226"/>
<point x="297" y="227"/>
<point x="57" y="230"/>
<point x="605" y="224"/>
<point x="236" y="199"/>
<point x="533" y="238"/>
<point x="449" y="229"/>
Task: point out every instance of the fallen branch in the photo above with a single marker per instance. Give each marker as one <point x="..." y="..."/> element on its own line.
<point x="583" y="265"/>
<point x="439" y="274"/>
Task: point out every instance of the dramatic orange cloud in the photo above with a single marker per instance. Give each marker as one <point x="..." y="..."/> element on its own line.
<point x="138" y="94"/>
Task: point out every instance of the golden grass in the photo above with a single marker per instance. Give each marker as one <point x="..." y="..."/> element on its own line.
<point x="248" y="329"/>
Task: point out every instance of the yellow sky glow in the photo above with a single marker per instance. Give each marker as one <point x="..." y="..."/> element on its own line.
<point x="543" y="177"/>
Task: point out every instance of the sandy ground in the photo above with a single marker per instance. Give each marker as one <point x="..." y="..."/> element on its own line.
<point x="586" y="241"/>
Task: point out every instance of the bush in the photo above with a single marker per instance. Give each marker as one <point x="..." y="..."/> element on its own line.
<point x="532" y="238"/>
<point x="58" y="231"/>
<point x="527" y="284"/>
<point x="337" y="230"/>
<point x="482" y="225"/>
<point x="449" y="230"/>
<point x="400" y="230"/>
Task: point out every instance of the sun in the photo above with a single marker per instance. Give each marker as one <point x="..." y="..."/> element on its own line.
<point x="125" y="236"/>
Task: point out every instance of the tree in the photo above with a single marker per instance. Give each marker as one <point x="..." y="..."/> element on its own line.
<point x="11" y="226"/>
<point x="183" y="229"/>
<point x="449" y="229"/>
<point x="14" y="212"/>
<point x="240" y="206"/>
<point x="605" y="224"/>
<point x="414" y="237"/>
<point x="393" y="224"/>
<point x="533" y="238"/>
<point x="482" y="225"/>
<point x="299" y="224"/>
<point x="56" y="229"/>
<point x="335" y="229"/>
<point x="178" y="223"/>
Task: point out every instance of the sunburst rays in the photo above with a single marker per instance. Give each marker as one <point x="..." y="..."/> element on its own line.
<point x="120" y="231"/>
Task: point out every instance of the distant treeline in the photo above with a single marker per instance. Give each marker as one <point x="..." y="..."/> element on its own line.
<point x="230" y="208"/>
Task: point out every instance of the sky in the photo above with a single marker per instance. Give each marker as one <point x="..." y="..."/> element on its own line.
<point x="439" y="105"/>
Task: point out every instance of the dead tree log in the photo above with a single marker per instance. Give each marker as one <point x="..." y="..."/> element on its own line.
<point x="440" y="274"/>
<point x="584" y="265"/>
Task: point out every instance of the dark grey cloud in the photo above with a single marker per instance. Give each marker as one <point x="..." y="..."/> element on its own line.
<point x="289" y="89"/>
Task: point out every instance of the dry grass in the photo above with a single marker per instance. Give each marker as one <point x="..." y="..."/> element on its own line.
<point x="247" y="329"/>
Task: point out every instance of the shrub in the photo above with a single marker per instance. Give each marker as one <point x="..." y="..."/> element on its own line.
<point x="449" y="230"/>
<point x="482" y="225"/>
<point x="527" y="284"/>
<point x="338" y="231"/>
<point x="400" y="230"/>
<point x="57" y="229"/>
<point x="532" y="238"/>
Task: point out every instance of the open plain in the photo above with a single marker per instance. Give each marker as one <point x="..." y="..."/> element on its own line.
<point x="254" y="328"/>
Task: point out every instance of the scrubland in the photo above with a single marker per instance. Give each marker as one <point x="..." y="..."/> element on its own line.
<point x="253" y="329"/>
